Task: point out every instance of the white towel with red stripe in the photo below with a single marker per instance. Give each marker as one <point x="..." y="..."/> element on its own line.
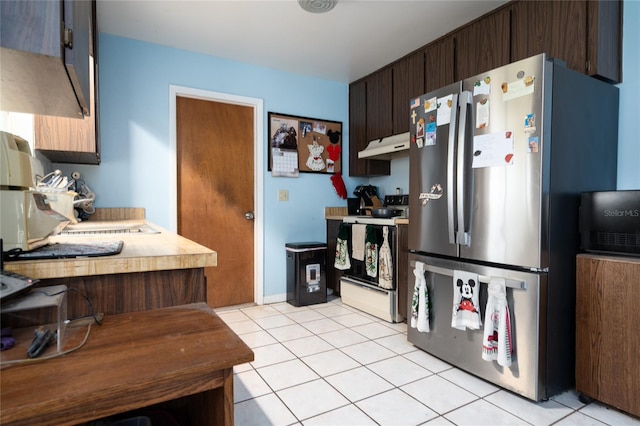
<point x="496" y="342"/>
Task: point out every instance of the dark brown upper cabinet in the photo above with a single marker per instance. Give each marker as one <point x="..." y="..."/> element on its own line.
<point x="408" y="83"/>
<point x="378" y="123"/>
<point x="483" y="45"/>
<point x="45" y="57"/>
<point x="558" y="28"/>
<point x="439" y="64"/>
<point x="584" y="34"/>
<point x="604" y="40"/>
<point x="358" y="140"/>
<point x="379" y="106"/>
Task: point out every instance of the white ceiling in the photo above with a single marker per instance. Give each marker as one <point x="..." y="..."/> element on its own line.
<point x="354" y="39"/>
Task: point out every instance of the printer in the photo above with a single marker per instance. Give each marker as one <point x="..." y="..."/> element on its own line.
<point x="610" y="222"/>
<point x="26" y="216"/>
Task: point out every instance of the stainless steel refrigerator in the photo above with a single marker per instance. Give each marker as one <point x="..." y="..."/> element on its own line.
<point x="497" y="165"/>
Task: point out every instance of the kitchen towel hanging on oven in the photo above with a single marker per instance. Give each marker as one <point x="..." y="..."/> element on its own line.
<point x="358" y="232"/>
<point x="342" y="261"/>
<point x="371" y="251"/>
<point x="466" y="308"/>
<point x="385" y="279"/>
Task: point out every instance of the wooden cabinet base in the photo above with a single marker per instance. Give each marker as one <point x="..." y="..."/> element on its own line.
<point x="607" y="318"/>
<point x="121" y="293"/>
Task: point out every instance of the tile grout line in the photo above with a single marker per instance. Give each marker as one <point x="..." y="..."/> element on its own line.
<point x="366" y="366"/>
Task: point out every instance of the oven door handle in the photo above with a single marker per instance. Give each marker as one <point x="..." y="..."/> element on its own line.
<point x="365" y="285"/>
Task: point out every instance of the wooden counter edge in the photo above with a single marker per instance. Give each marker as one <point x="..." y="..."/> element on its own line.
<point x="185" y="254"/>
<point x="208" y="384"/>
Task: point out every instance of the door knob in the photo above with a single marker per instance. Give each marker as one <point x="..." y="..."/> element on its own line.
<point x="248" y="216"/>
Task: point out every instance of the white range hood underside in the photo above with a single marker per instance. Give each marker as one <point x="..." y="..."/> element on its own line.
<point x="387" y="148"/>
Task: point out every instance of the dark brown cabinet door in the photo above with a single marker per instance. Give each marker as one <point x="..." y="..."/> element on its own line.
<point x="604" y="40"/>
<point x="357" y="127"/>
<point x="483" y="45"/>
<point x="358" y="137"/>
<point x="586" y="34"/>
<point x="379" y="104"/>
<point x="408" y="83"/>
<point x="439" y="64"/>
<point x="37" y="62"/>
<point x="70" y="140"/>
<point x="558" y="28"/>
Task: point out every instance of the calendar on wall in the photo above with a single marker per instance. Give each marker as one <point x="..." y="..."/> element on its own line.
<point x="302" y="144"/>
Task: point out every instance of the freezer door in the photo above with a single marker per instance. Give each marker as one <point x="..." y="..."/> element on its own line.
<point x="509" y="133"/>
<point x="463" y="349"/>
<point x="433" y="130"/>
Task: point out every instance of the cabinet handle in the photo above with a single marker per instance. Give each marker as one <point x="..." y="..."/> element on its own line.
<point x="248" y="215"/>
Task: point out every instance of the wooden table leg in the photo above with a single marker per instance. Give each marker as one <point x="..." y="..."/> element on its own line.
<point x="215" y="406"/>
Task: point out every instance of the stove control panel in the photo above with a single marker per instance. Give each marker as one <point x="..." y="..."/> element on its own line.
<point x="396" y="200"/>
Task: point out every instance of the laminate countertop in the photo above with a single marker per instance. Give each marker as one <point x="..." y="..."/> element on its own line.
<point x="151" y="249"/>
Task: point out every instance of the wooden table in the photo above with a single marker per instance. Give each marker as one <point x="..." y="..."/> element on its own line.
<point x="131" y="361"/>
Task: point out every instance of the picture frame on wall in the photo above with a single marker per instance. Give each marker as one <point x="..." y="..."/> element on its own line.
<point x="303" y="145"/>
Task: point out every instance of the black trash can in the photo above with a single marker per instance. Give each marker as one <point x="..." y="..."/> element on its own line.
<point x="306" y="273"/>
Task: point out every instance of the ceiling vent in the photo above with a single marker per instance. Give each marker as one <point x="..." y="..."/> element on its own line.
<point x="317" y="6"/>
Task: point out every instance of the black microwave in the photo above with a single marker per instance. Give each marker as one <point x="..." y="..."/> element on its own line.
<point x="610" y="222"/>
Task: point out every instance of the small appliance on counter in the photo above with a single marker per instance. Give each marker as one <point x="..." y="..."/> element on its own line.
<point x="610" y="222"/>
<point x="368" y="196"/>
<point x="27" y="218"/>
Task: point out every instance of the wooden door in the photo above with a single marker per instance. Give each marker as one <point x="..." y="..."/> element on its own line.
<point x="215" y="192"/>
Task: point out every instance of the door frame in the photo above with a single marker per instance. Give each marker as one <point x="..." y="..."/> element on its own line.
<point x="258" y="182"/>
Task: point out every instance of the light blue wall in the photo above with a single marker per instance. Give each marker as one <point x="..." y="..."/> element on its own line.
<point x="134" y="125"/>
<point x="628" y="139"/>
<point x="134" y="113"/>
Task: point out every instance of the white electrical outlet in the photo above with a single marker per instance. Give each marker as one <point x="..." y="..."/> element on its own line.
<point x="283" y="195"/>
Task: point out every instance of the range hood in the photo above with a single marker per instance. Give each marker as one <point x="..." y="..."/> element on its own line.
<point x="386" y="148"/>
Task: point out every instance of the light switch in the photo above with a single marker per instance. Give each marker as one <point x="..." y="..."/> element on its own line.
<point x="283" y="195"/>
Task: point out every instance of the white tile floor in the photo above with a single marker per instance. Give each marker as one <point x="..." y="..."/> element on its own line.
<point x="330" y="364"/>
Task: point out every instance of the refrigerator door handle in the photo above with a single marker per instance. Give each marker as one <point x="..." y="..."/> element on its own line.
<point x="463" y="236"/>
<point x="451" y="155"/>
<point x="509" y="282"/>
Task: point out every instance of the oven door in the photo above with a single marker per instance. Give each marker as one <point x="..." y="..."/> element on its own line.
<point x="358" y="270"/>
